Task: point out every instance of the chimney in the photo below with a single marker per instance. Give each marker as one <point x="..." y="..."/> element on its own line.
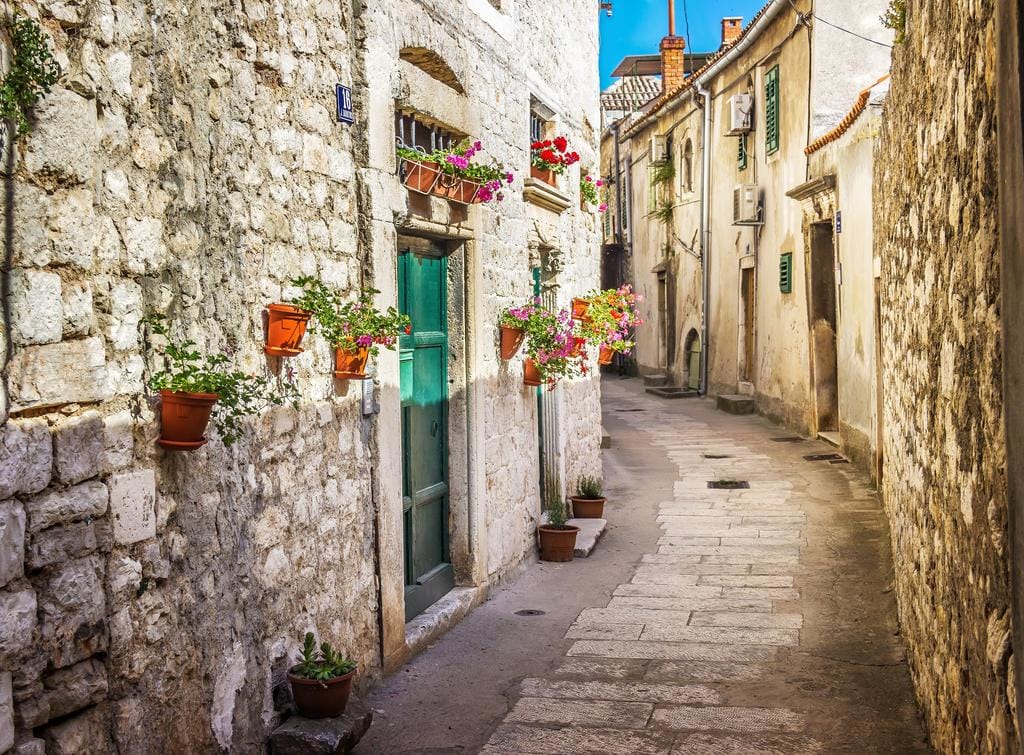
<point x="732" y="28"/>
<point x="673" y="63"/>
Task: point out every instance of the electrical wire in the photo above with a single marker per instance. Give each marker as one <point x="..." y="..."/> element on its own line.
<point x="689" y="41"/>
<point x="802" y="18"/>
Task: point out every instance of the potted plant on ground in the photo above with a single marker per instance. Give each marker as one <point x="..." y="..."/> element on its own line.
<point x="590" y="194"/>
<point x="549" y="348"/>
<point x="357" y="330"/>
<point x="513" y="329"/>
<point x="321" y="681"/>
<point x="557" y="537"/>
<point x="588" y="503"/>
<point x="194" y="386"/>
<point x="452" y="174"/>
<point x="550" y="158"/>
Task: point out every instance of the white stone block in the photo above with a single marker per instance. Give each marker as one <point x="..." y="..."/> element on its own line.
<point x="6" y="712"/>
<point x="143" y="240"/>
<point x="12" y="541"/>
<point x="26" y="457"/>
<point x="133" y="506"/>
<point x="59" y="373"/>
<point x="118" y="442"/>
<point x="73" y="228"/>
<point x="78" y="313"/>
<point x="78" y="447"/>
<point x="125" y="314"/>
<point x="17" y="620"/>
<point x="65" y="138"/>
<point x="36" y="311"/>
<point x="31" y="239"/>
<point x="65" y="505"/>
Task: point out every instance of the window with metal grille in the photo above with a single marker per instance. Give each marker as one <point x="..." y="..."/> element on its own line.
<point x="742" y="158"/>
<point x="412" y="132"/>
<point x="536" y="127"/>
<point x="786" y="273"/>
<point x="771" y="111"/>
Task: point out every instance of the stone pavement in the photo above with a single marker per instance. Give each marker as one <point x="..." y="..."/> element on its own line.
<point x="760" y="621"/>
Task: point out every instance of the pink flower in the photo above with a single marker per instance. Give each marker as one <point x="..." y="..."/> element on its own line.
<point x="588" y="179"/>
<point x="602" y="207"/>
<point x="509" y="177"/>
<point x="364" y="340"/>
<point x="600" y="183"/>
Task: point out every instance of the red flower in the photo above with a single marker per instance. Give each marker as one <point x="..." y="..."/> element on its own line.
<point x="537" y="145"/>
<point x="408" y="329"/>
<point x="561" y="143"/>
<point x="548" y="156"/>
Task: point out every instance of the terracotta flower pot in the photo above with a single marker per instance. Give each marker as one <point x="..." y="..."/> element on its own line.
<point x="531" y="375"/>
<point x="606" y="356"/>
<point x="587" y="508"/>
<point x="547" y="176"/>
<point x="316" y="699"/>
<point x="579" y="309"/>
<point x="350" y="365"/>
<point x="286" y="325"/>
<point x="421" y="176"/>
<point x="183" y="419"/>
<point x="557" y="544"/>
<point x="578" y="345"/>
<point x="511" y="340"/>
<point x="458" y="189"/>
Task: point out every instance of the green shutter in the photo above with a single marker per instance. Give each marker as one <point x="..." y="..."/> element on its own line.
<point x="786" y="273"/>
<point x="743" y="152"/>
<point x="771" y="111"/>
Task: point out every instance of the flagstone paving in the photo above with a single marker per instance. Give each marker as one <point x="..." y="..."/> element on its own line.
<point x="761" y="620"/>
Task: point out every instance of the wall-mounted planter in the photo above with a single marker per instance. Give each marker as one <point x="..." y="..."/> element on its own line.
<point x="183" y="419"/>
<point x="557" y="544"/>
<point x="321" y="699"/>
<point x="578" y="345"/>
<point x="606" y="356"/>
<point x="531" y="375"/>
<point x="350" y="366"/>
<point x="286" y="325"/>
<point x="428" y="178"/>
<point x="511" y="340"/>
<point x="459" y="190"/>
<point x="580" y="308"/>
<point x="420" y="176"/>
<point x="547" y="176"/>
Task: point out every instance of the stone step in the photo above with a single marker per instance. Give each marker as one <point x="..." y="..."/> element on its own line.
<point x="590" y="532"/>
<point x="656" y="380"/>
<point x="322" y="736"/>
<point x="671" y="391"/>
<point x="736" y="404"/>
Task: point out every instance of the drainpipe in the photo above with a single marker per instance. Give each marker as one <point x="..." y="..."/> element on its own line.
<point x="705" y="236"/>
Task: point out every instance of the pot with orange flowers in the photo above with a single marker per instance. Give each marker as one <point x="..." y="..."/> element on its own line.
<point x="550" y="158"/>
<point x="610" y="320"/>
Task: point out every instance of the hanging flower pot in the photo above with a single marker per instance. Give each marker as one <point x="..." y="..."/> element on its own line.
<point x="350" y="365"/>
<point x="183" y="419"/>
<point x="531" y="375"/>
<point x="557" y="544"/>
<point x="578" y="345"/>
<point x="286" y="325"/>
<point x="606" y="356"/>
<point x="547" y="176"/>
<point x="579" y="309"/>
<point x="458" y="190"/>
<point x="511" y="340"/>
<point x="420" y="177"/>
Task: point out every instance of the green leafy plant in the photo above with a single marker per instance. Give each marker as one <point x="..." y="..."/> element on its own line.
<point x="187" y="370"/>
<point x="558" y="512"/>
<point x="549" y="341"/>
<point x="32" y="74"/>
<point x="589" y="487"/>
<point x="664" y="213"/>
<point x="663" y="173"/>
<point x="610" y="318"/>
<point x="350" y="325"/>
<point x="895" y="18"/>
<point x="323" y="663"/>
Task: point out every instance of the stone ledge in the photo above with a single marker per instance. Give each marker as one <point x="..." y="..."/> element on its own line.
<point x="322" y="736"/>
<point x="590" y="532"/>
<point x="736" y="404"/>
<point x="546" y="196"/>
<point x="428" y="627"/>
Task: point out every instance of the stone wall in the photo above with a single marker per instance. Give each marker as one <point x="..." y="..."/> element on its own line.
<point x="944" y="456"/>
<point x="189" y="164"/>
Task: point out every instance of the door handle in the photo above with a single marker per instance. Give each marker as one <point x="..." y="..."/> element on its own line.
<point x="434" y="427"/>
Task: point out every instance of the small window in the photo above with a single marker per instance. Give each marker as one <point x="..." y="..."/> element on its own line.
<point x="537" y="126"/>
<point x="742" y="158"/>
<point x="687" y="167"/>
<point x="412" y="132"/>
<point x="771" y="111"/>
<point x="786" y="273"/>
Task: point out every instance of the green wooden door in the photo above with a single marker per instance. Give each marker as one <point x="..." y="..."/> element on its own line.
<point x="422" y="294"/>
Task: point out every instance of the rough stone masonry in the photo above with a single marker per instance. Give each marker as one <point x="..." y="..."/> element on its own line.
<point x="189" y="163"/>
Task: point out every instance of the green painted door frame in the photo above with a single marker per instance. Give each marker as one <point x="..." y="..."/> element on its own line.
<point x="423" y="360"/>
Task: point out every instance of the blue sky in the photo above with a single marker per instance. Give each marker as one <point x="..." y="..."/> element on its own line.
<point x="637" y="26"/>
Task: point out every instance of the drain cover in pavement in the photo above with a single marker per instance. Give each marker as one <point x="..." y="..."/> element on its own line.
<point x="529" y="612"/>
<point x="728" y="484"/>
<point x="631" y="410"/>
<point x="716" y="456"/>
<point x="840" y="461"/>
<point x="789" y="439"/>
<point x="824" y="457"/>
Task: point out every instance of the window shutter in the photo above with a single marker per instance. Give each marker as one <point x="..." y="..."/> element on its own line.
<point x="771" y="111"/>
<point x="786" y="273"/>
<point x="743" y="152"/>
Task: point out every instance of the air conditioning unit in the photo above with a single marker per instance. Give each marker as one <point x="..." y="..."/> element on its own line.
<point x="746" y="205"/>
<point x="658" y="149"/>
<point x="741" y="114"/>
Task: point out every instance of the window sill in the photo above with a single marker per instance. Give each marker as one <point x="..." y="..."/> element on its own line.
<point x="545" y="196"/>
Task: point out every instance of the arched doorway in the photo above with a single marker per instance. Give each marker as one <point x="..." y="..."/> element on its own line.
<point x="693" y="360"/>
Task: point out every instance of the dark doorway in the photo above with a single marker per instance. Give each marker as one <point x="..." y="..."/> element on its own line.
<point x="747" y="294"/>
<point x="825" y="368"/>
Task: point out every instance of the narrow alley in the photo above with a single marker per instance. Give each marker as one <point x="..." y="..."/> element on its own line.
<point x="758" y="619"/>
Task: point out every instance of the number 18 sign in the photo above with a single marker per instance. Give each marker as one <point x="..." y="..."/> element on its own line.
<point x="344" y="97"/>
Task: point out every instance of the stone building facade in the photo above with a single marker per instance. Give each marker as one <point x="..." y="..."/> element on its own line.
<point x="945" y="464"/>
<point x="189" y="163"/>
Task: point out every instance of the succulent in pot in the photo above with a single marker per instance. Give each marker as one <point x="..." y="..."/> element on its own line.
<point x="557" y="536"/>
<point x="321" y="681"/>
<point x="588" y="503"/>
<point x="194" y="386"/>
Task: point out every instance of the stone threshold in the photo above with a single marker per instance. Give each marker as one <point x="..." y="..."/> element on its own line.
<point x="427" y="628"/>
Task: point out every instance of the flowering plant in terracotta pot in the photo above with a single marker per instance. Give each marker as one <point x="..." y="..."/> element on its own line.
<point x="611" y="316"/>
<point x="551" y="349"/>
<point x="193" y="386"/>
<point x="458" y="177"/>
<point x="513" y="329"/>
<point x="357" y="330"/>
<point x="553" y="155"/>
<point x="321" y="681"/>
<point x="590" y="193"/>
